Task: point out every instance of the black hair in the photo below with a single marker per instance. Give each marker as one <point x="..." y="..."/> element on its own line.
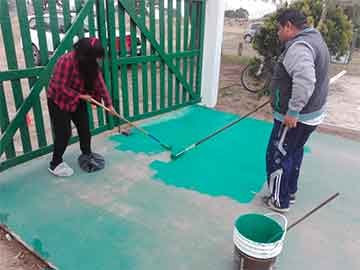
<point x="87" y="50"/>
<point x="295" y="17"/>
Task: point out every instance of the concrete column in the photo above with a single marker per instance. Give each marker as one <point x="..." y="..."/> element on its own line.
<point x="214" y="28"/>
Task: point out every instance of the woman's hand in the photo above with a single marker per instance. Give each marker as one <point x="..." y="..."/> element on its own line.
<point x="112" y="110"/>
<point x="85" y="97"/>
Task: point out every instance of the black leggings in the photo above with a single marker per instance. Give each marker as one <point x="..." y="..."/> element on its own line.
<point x="61" y="122"/>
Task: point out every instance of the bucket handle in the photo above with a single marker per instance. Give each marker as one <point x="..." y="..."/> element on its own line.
<point x="284" y="223"/>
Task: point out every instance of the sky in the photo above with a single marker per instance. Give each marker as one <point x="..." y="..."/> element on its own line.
<point x="256" y="8"/>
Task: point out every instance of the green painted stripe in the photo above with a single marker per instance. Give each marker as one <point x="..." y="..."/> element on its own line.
<point x="26" y="39"/>
<point x="10" y="52"/>
<point x="29" y="61"/>
<point x="101" y="22"/>
<point x="20" y="73"/>
<point x="43" y="78"/>
<point x="4" y="122"/>
<point x="91" y="116"/>
<point x="162" y="44"/>
<point x="201" y="48"/>
<point x="91" y="25"/>
<point x="192" y="42"/>
<point x="66" y="14"/>
<point x="144" y="66"/>
<point x="178" y="47"/>
<point x="40" y="27"/>
<point x="156" y="46"/>
<point x="155" y="58"/>
<point x="113" y="62"/>
<point x="54" y="25"/>
<point x="153" y="65"/>
<point x="170" y="50"/>
<point x="135" y="81"/>
<point x="78" y="9"/>
<point x="91" y="22"/>
<point x="123" y="68"/>
<point x="186" y="46"/>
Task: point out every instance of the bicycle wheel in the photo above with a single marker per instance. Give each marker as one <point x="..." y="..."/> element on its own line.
<point x="255" y="77"/>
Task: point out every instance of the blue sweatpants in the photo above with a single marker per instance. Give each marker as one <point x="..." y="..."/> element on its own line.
<point x="284" y="156"/>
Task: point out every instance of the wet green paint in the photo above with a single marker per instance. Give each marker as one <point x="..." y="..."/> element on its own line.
<point x="80" y="222"/>
<point x="111" y="220"/>
<point x="230" y="164"/>
<point x="4" y="218"/>
<point x="178" y="130"/>
<point x="65" y="230"/>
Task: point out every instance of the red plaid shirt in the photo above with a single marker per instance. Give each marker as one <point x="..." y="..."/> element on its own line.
<point x="66" y="85"/>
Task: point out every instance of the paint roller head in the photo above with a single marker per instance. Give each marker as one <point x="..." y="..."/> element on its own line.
<point x="175" y="156"/>
<point x="126" y="132"/>
<point x="182" y="152"/>
<point x="168" y="147"/>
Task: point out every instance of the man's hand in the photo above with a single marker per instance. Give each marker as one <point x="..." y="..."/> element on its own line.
<point x="85" y="97"/>
<point x="290" y="121"/>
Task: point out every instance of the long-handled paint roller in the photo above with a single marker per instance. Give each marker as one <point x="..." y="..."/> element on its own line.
<point x="114" y="113"/>
<point x="306" y="216"/>
<point x="179" y="154"/>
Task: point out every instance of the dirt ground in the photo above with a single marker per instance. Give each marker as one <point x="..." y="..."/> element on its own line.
<point x="343" y="115"/>
<point x="15" y="257"/>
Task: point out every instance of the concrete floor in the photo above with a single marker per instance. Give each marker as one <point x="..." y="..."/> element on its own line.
<point x="127" y="217"/>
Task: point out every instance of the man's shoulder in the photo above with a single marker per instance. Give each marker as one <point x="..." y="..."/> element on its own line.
<point x="300" y="48"/>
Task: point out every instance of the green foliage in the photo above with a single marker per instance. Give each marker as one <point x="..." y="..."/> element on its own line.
<point x="336" y="29"/>
<point x="239" y="13"/>
<point x="266" y="41"/>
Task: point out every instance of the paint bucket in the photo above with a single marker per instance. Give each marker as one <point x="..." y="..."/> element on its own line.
<point x="258" y="240"/>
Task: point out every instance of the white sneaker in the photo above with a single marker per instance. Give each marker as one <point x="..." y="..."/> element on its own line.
<point x="62" y="170"/>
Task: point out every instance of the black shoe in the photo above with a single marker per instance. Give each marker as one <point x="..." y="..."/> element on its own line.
<point x="268" y="201"/>
<point x="292" y="198"/>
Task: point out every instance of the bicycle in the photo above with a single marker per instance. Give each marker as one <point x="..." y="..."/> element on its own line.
<point x="256" y="76"/>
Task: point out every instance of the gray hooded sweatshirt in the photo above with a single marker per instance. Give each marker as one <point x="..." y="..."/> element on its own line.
<point x="300" y="82"/>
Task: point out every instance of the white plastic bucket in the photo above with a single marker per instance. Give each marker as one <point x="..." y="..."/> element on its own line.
<point x="251" y="251"/>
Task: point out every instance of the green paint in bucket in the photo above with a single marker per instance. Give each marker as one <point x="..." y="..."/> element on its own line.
<point x="258" y="240"/>
<point x="259" y="228"/>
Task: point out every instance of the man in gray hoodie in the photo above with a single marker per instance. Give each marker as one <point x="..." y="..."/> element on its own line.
<point x="299" y="90"/>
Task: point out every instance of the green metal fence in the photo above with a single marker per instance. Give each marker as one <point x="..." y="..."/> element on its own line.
<point x="153" y="63"/>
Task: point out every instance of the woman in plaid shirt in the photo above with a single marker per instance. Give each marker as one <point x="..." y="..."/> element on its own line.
<point x="76" y="78"/>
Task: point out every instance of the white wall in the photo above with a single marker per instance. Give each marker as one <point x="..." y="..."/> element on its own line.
<point x="214" y="28"/>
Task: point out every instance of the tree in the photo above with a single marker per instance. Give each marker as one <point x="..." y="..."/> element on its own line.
<point x="336" y="28"/>
<point x="239" y="13"/>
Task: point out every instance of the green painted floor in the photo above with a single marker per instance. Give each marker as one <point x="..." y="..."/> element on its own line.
<point x="147" y="212"/>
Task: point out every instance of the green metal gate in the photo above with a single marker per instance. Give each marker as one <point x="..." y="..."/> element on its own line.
<point x="153" y="62"/>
